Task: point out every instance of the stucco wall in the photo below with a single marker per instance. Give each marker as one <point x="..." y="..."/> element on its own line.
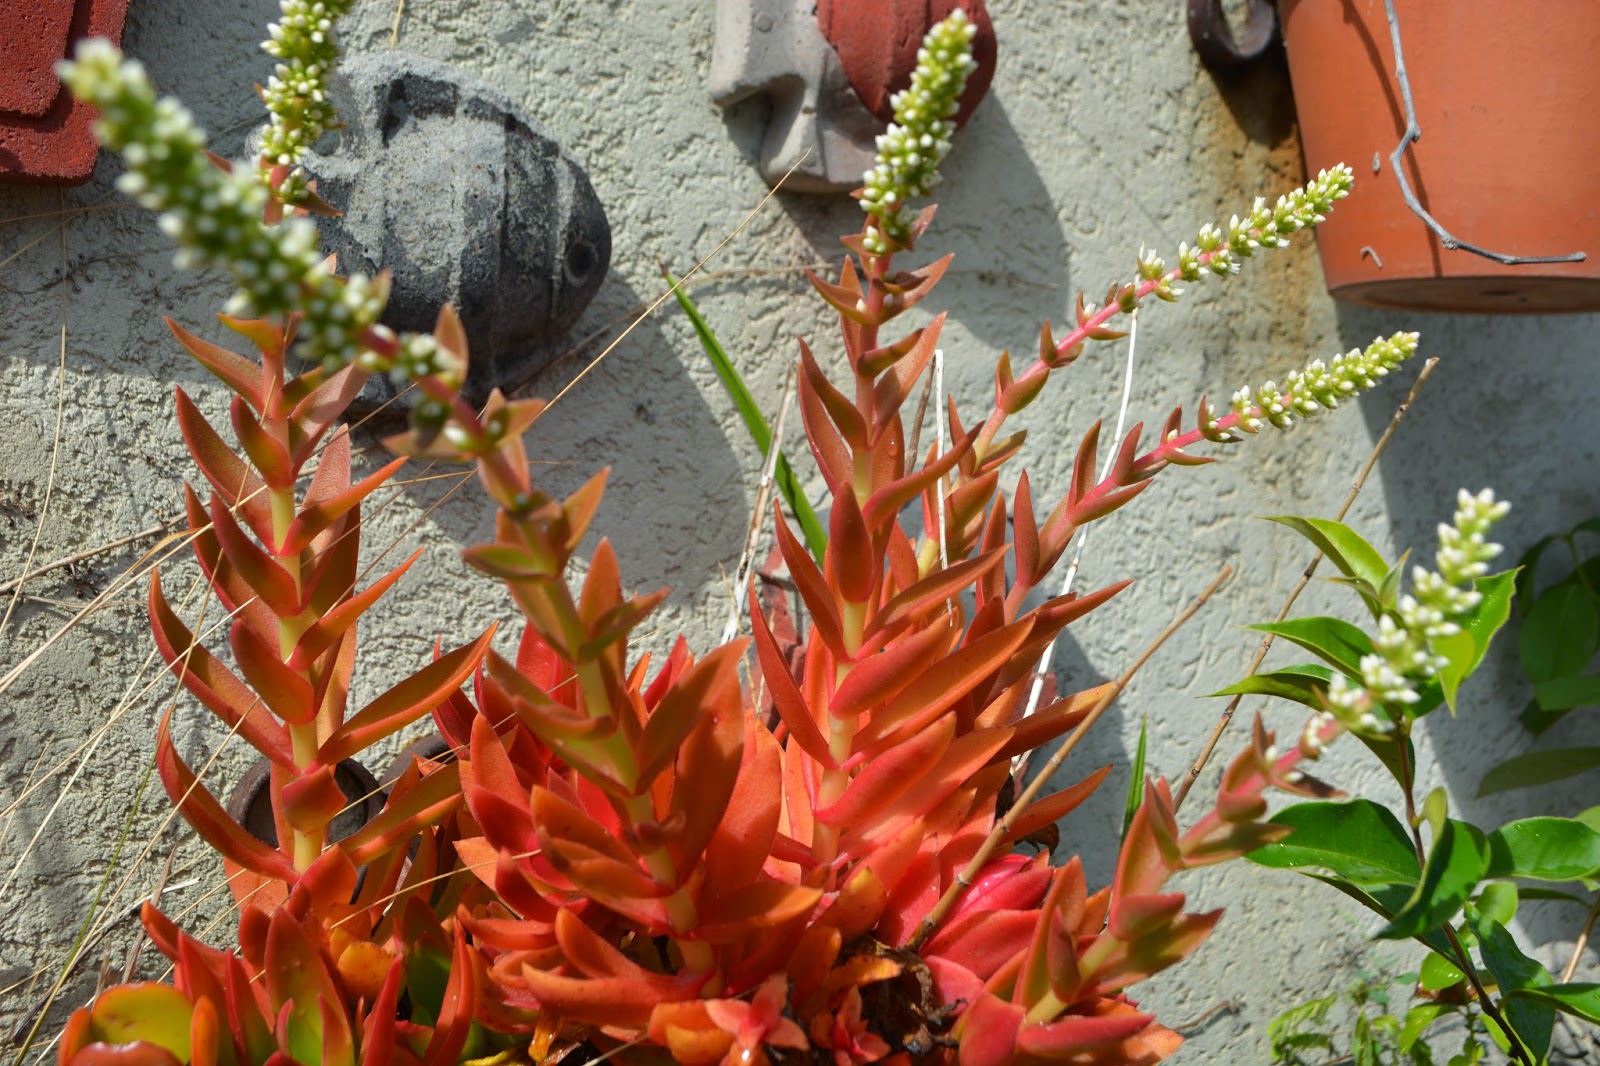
<point x="1100" y="134"/>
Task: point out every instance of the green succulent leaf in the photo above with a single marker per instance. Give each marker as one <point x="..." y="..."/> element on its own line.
<point x="1335" y="641"/>
<point x="1456" y="863"/>
<point x="1538" y="768"/>
<point x="1359" y="840"/>
<point x="1544" y="849"/>
<point x="1560" y="634"/>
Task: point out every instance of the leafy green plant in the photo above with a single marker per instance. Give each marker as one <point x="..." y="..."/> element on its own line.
<point x="1457" y="892"/>
<point x="623" y="852"/>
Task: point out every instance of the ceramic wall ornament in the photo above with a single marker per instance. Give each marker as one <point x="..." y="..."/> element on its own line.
<point x="828" y="68"/>
<point x="45" y="135"/>
<point x="468" y="201"/>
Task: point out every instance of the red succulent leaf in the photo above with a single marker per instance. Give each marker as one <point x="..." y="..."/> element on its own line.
<point x="313" y="799"/>
<point x="1047" y="810"/>
<point x="459" y="1007"/>
<point x="405" y="702"/>
<point x="378" y="1036"/>
<point x="814" y="590"/>
<point x="231" y="478"/>
<point x="268" y="453"/>
<point x="313" y="1021"/>
<point x="851" y="562"/>
<point x="750" y="908"/>
<point x="877" y="679"/>
<point x="888" y="776"/>
<point x="255" y="566"/>
<point x="405" y="815"/>
<point x="320" y="407"/>
<point x="744" y="837"/>
<point x="1104" y="1036"/>
<point x="793" y="710"/>
<point x="988" y="1031"/>
<point x="941" y="585"/>
<point x="241" y="375"/>
<point x="319" y="513"/>
<point x="330" y="626"/>
<point x="202" y="811"/>
<point x="285" y="691"/>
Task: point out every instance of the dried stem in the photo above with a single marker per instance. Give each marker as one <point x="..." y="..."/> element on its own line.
<point x="1003" y="827"/>
<point x="88" y="553"/>
<point x="741" y="574"/>
<point x="1305" y="579"/>
<point x="1583" y="942"/>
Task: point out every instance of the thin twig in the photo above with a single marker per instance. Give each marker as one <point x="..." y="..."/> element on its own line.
<point x="1019" y="765"/>
<point x="938" y="450"/>
<point x="741" y="575"/>
<point x="912" y="455"/>
<point x="1583" y="942"/>
<point x="1305" y="579"/>
<point x="1413" y="134"/>
<point x="1002" y="828"/>
<point x="394" y="31"/>
<point x="1227" y="1006"/>
<point x="87" y="553"/>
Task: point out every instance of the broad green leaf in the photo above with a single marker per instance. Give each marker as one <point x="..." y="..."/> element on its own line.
<point x="1560" y="634"/>
<point x="1532" y="1021"/>
<point x="1344" y="547"/>
<point x="1536" y="720"/>
<point x="1493" y="609"/>
<point x="1418" y="1019"/>
<point x="1555" y="894"/>
<point x="1336" y="641"/>
<point x="1538" y="768"/>
<point x="1580" y="999"/>
<point x="1566" y="692"/>
<point x="1359" y="840"/>
<point x="1455" y="648"/>
<point x="1456" y="863"/>
<point x="1136" y="781"/>
<point x="1544" y="849"/>
<point x="1498" y="900"/>
<point x="1438" y="972"/>
<point x="1304" y="684"/>
<point x="816" y="534"/>
<point x="1527" y="567"/>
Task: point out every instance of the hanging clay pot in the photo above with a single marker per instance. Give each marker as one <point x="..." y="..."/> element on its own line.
<point x="1508" y="102"/>
<point x="250" y="804"/>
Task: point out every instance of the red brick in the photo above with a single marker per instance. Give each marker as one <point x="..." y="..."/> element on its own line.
<point x="45" y="137"/>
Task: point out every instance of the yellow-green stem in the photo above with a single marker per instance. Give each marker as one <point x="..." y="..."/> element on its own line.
<point x="303" y="738"/>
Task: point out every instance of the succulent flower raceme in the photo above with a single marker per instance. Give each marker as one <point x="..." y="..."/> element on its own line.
<point x="625" y="852"/>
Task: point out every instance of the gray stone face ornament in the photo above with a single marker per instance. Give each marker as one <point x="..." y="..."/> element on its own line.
<point x="445" y="182"/>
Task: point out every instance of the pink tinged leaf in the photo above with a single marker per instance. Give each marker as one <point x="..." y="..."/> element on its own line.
<point x="202" y="811"/>
<point x="846" y="300"/>
<point x="321" y="407"/>
<point x="887" y="777"/>
<point x="378" y="1037"/>
<point x="559" y="822"/>
<point x="326" y="630"/>
<point x="952" y="982"/>
<point x="984" y="941"/>
<point x="609" y="632"/>
<point x="1133" y="917"/>
<point x="749" y="825"/>
<point x="259" y="570"/>
<point x="792" y="708"/>
<point x="405" y="815"/>
<point x="851" y="561"/>
<point x="879" y="678"/>
<point x="1077" y="1033"/>
<point x="1150" y="850"/>
<point x="286" y="691"/>
<point x="241" y="375"/>
<point x="827" y="446"/>
<point x="234" y="481"/>
<point x="886" y="500"/>
<point x="1153" y="954"/>
<point x="212" y="683"/>
<point x="988" y="1031"/>
<point x="843" y="414"/>
<point x="405" y="702"/>
<point x="814" y="590"/>
<point x="1026" y="535"/>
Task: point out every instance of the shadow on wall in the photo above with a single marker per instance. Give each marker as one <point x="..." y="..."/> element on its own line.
<point x="1510" y="406"/>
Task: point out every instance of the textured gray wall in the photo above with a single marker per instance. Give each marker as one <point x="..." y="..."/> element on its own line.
<point x="1101" y="134"/>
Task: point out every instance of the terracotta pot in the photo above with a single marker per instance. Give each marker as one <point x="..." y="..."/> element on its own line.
<point x="250" y="804"/>
<point x="1508" y="101"/>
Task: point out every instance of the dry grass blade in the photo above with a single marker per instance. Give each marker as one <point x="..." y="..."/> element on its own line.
<point x="964" y="880"/>
<point x="741" y="574"/>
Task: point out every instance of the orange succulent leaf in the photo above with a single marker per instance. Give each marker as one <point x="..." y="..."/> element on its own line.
<point x="752" y="907"/>
<point x="313" y="1021"/>
<point x="1053" y="720"/>
<point x="405" y="702"/>
<point x="890" y="495"/>
<point x="456" y="1012"/>
<point x="888" y="776"/>
<point x="267" y="335"/>
<point x="846" y="299"/>
<point x="406" y="813"/>
<point x="813" y="587"/>
<point x="208" y="680"/>
<point x="313" y="799"/>
<point x="202" y="811"/>
<point x="707" y="767"/>
<point x="858" y="906"/>
<point x="878" y="678"/>
<point x="1102" y="1038"/>
<point x="331" y="625"/>
<point x="935" y="589"/>
<point x="258" y="569"/>
<point x="744" y="836"/>
<point x="231" y="478"/>
<point x="1154" y="953"/>
<point x="1050" y="809"/>
<point x="793" y="709"/>
<point x="264" y="448"/>
<point x="319" y="512"/>
<point x="907" y="358"/>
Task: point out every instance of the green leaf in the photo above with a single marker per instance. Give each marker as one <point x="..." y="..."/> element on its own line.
<point x="1536" y="720"/>
<point x="1336" y="641"/>
<point x="1498" y="899"/>
<point x="1136" y="781"/>
<point x="1580" y="999"/>
<point x="816" y="534"/>
<point x="1304" y="684"/>
<point x="1359" y="840"/>
<point x="1485" y="620"/>
<point x="1527" y="567"/>
<point x="1538" y="768"/>
<point x="1344" y="547"/>
<point x="1560" y="634"/>
<point x="1384" y="901"/>
<point x="1456" y="863"/>
<point x="1438" y="972"/>
<point x="1418" y="1019"/>
<point x="1554" y="894"/>
<point x="1544" y="849"/>
<point x="1532" y="1021"/>
<point x="1566" y="692"/>
<point x="1456" y="648"/>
